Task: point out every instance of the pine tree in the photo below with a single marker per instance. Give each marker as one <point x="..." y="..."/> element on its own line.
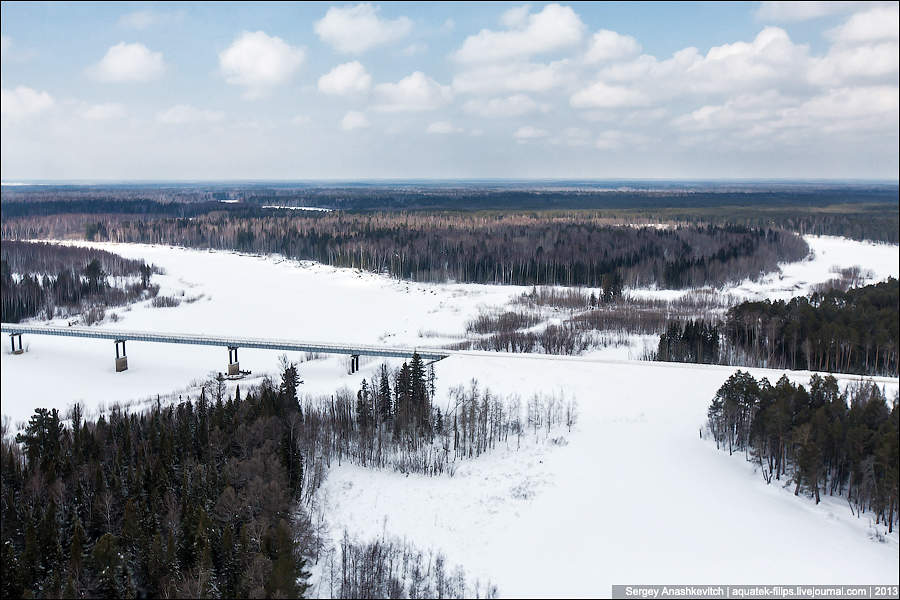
<point x="290" y="382"/>
<point x="30" y="556"/>
<point x="106" y="565"/>
<point x="420" y="409"/>
<point x="363" y="407"/>
<point x="384" y="397"/>
<point x="11" y="583"/>
<point x="130" y="527"/>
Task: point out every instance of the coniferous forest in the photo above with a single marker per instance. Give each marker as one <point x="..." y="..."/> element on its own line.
<point x="523" y="249"/>
<point x="816" y="438"/>
<point x="857" y="211"/>
<point x="190" y="500"/>
<point x="853" y="331"/>
<point x="214" y="497"/>
<point x="53" y="280"/>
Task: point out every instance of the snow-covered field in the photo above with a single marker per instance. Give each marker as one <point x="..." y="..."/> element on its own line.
<point x="248" y="295"/>
<point x="239" y="295"/>
<point x="634" y="497"/>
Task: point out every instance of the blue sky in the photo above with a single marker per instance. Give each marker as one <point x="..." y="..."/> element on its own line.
<point x="444" y="90"/>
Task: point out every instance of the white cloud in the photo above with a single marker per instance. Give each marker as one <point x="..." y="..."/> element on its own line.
<point x="442" y="127"/>
<point x="103" y="112"/>
<point x="415" y="92"/>
<point x="874" y="107"/>
<point x="346" y="79"/>
<point x="354" y="120"/>
<point x="184" y="113"/>
<point x="510" y="106"/>
<point x="602" y="95"/>
<point x="554" y="28"/>
<point x="23" y="102"/>
<point x="747" y="111"/>
<point x="882" y="23"/>
<point x="528" y="132"/>
<point x="128" y="63"/>
<point x="772" y="117"/>
<point x="355" y="29"/>
<point x="516" y="17"/>
<point x="796" y="10"/>
<point x="771" y="59"/>
<point x="843" y="64"/>
<point x="513" y="77"/>
<point x="258" y="62"/>
<point x="608" y="45"/>
<point x="301" y="120"/>
<point x="865" y="49"/>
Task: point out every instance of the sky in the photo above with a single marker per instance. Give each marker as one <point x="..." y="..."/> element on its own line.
<point x="206" y="91"/>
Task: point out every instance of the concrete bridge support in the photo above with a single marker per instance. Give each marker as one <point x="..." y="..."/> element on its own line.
<point x="121" y="360"/>
<point x="354" y="363"/>
<point x="12" y="342"/>
<point x="234" y="367"/>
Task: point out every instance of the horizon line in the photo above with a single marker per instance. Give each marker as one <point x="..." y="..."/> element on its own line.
<point x="13" y="182"/>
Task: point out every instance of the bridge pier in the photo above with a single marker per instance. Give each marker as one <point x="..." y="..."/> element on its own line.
<point x="121" y="361"/>
<point x="12" y="342"/>
<point x="354" y="363"/>
<point x="234" y="367"/>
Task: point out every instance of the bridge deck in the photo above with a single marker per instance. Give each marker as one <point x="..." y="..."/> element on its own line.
<point x="223" y="341"/>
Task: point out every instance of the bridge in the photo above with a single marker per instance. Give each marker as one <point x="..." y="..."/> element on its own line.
<point x="120" y="336"/>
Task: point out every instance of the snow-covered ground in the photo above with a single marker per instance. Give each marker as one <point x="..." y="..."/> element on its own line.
<point x="635" y="496"/>
<point x="827" y="255"/>
<point x="241" y="295"/>
<point x="267" y="296"/>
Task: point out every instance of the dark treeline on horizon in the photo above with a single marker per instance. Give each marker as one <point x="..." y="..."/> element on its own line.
<point x="858" y="211"/>
<point x="474" y="195"/>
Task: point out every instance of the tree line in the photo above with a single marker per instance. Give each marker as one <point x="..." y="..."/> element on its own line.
<point x="822" y="440"/>
<point x="52" y="280"/>
<point x="505" y="248"/>
<point x="852" y="331"/>
<point x="462" y="195"/>
<point x="387" y="567"/>
<point x="188" y="500"/>
<point x="392" y="422"/>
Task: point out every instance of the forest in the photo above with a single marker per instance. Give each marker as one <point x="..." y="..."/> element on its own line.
<point x="817" y="438"/>
<point x="857" y="211"/>
<point x="52" y="280"/>
<point x="474" y="195"/>
<point x="852" y="331"/>
<point x="215" y="496"/>
<point x="523" y="249"/>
